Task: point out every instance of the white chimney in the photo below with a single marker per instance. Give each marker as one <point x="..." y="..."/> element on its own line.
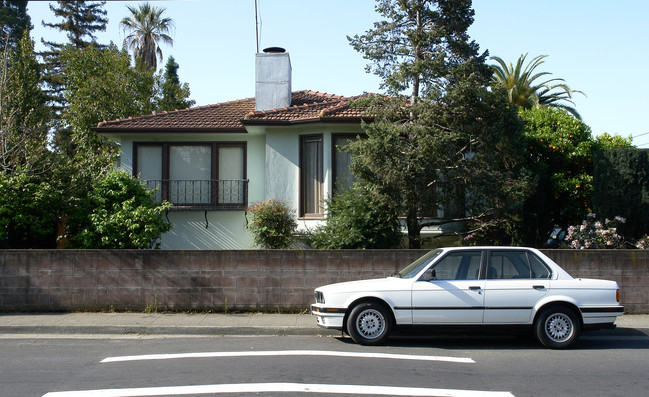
<point x="272" y="79"/>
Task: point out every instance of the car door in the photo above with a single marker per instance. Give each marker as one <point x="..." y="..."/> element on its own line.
<point x="515" y="281"/>
<point x="450" y="291"/>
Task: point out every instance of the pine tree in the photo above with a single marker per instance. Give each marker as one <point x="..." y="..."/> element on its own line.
<point x="449" y="144"/>
<point x="174" y="94"/>
<point x="24" y="115"/>
<point x="80" y="20"/>
<point x="14" y="20"/>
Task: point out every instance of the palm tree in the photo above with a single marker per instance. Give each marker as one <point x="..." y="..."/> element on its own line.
<point x="519" y="83"/>
<point x="146" y="29"/>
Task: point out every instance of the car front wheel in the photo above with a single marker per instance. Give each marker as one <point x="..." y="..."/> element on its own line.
<point x="369" y="324"/>
<point x="557" y="327"/>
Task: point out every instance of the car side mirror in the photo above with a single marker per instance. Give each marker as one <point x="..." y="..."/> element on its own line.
<point x="429" y="275"/>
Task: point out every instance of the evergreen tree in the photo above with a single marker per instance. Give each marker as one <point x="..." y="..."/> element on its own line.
<point x="79" y="20"/>
<point x="31" y="197"/>
<point x="101" y="85"/>
<point x="174" y="94"/>
<point x="451" y="143"/>
<point x="14" y="20"/>
<point x="24" y="115"/>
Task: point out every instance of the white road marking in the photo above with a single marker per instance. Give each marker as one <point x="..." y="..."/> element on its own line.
<point x="279" y="388"/>
<point x="288" y="353"/>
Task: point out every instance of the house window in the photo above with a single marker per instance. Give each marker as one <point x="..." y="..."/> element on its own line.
<point x="194" y="176"/>
<point x="190" y="174"/>
<point x="311" y="176"/>
<point x="342" y="176"/>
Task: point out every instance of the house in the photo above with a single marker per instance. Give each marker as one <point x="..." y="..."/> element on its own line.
<point x="211" y="162"/>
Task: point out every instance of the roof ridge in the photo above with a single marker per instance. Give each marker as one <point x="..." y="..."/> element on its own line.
<point x="293" y="107"/>
<point x="323" y="94"/>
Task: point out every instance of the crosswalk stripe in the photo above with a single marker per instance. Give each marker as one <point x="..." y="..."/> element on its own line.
<point x="280" y="388"/>
<point x="288" y="353"/>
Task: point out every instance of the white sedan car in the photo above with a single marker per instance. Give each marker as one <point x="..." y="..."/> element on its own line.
<point x="472" y="286"/>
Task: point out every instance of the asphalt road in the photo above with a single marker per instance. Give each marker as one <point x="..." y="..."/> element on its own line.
<point x="60" y="366"/>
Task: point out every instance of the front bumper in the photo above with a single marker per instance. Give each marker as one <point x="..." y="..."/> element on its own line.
<point x="328" y="317"/>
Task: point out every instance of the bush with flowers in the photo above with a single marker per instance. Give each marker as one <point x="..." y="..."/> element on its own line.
<point x="595" y="234"/>
<point x="643" y="243"/>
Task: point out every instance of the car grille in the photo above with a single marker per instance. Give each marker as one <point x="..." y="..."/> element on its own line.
<point x="319" y="297"/>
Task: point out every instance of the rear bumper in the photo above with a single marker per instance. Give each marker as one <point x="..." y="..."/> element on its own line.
<point x="600" y="317"/>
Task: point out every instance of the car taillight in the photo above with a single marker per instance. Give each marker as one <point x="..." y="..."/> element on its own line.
<point x="618" y="296"/>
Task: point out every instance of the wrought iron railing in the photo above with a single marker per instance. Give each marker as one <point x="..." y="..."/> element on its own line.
<point x="202" y="194"/>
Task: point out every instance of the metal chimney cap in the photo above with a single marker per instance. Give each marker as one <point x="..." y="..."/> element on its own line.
<point x="274" y="50"/>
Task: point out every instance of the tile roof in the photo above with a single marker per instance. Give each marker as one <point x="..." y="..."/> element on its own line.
<point x="306" y="106"/>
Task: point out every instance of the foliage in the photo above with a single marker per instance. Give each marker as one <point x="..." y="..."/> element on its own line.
<point x="358" y="219"/>
<point x="147" y="28"/>
<point x="560" y="157"/>
<point x="452" y="135"/>
<point x="174" y="94"/>
<point x="102" y="85"/>
<point x="272" y="224"/>
<point x="606" y="141"/>
<point x="643" y="243"/>
<point x="119" y="212"/>
<point x="594" y="234"/>
<point x="14" y="20"/>
<point x="523" y="90"/>
<point x="79" y="20"/>
<point x="24" y="115"/>
<point x="29" y="211"/>
<point x="621" y="186"/>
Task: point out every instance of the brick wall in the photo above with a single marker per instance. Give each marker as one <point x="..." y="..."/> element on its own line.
<point x="48" y="280"/>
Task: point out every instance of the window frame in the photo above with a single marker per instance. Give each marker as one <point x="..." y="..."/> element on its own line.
<point x="301" y="186"/>
<point x="214" y="172"/>
<point x="528" y="262"/>
<point x="334" y="151"/>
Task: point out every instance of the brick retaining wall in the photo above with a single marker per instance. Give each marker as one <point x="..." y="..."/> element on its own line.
<point x="52" y="280"/>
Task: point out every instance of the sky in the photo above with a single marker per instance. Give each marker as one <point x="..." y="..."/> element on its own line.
<point x="599" y="47"/>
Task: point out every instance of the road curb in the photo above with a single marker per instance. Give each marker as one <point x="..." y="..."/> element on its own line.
<point x="135" y="330"/>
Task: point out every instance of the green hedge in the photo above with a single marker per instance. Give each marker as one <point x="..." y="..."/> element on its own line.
<point x="621" y="187"/>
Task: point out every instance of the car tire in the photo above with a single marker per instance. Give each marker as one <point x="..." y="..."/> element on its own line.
<point x="369" y="324"/>
<point x="557" y="327"/>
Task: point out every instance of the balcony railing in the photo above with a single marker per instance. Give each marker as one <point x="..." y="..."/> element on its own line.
<point x="202" y="194"/>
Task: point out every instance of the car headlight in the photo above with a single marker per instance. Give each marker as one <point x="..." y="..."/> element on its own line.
<point x="319" y="297"/>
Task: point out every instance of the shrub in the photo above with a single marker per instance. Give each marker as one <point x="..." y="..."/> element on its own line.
<point x="595" y="234"/>
<point x="272" y="224"/>
<point x="643" y="243"/>
<point x="358" y="219"/>
<point x="119" y="212"/>
<point x="30" y="210"/>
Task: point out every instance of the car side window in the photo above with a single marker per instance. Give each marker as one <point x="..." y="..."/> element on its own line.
<point x="463" y="265"/>
<point x="539" y="269"/>
<point x="508" y="264"/>
<point x="515" y="265"/>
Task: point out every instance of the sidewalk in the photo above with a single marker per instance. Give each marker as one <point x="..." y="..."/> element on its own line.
<point x="209" y="324"/>
<point x="161" y="324"/>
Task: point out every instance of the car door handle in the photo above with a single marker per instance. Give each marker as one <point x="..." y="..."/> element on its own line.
<point x="474" y="288"/>
<point x="539" y="287"/>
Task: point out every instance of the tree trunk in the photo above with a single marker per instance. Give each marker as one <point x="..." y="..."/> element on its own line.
<point x="414" y="236"/>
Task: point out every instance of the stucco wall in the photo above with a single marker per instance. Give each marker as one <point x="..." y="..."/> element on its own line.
<point x="214" y="280"/>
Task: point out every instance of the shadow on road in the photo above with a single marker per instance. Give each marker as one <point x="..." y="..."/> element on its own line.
<point x="600" y="340"/>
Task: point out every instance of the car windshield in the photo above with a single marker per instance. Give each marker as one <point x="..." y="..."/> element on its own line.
<point x="415" y="267"/>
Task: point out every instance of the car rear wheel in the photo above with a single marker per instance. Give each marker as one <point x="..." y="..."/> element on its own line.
<point x="557" y="327"/>
<point x="369" y="324"/>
